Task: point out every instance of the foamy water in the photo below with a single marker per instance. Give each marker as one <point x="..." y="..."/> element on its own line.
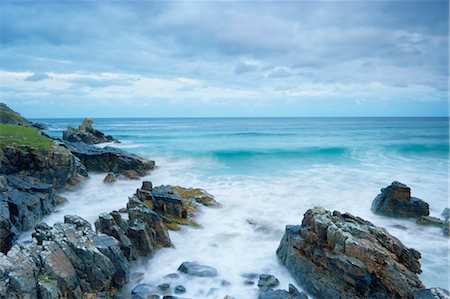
<point x="270" y="172"/>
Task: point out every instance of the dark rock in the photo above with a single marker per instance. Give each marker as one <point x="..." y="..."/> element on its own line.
<point x="196" y="269"/>
<point x="87" y="134"/>
<point x="249" y="282"/>
<point x="164" y="287"/>
<point x="429" y="220"/>
<point x="142" y="290"/>
<point x="296" y="294"/>
<point x="23" y="203"/>
<point x="340" y="255"/>
<point x="432" y="293"/>
<point x="39" y="126"/>
<point x="395" y="201"/>
<point x="109" y="159"/>
<point x="109" y="178"/>
<point x="147" y="186"/>
<point x="267" y="280"/>
<point x="179" y="289"/>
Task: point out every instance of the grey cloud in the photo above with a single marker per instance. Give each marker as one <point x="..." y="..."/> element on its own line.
<point x="37" y="77"/>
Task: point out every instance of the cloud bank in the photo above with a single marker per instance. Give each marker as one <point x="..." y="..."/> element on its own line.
<point x="150" y="59"/>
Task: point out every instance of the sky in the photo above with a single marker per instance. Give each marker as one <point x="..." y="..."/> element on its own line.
<point x="225" y="59"/>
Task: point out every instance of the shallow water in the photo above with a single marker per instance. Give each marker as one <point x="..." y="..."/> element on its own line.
<point x="270" y="171"/>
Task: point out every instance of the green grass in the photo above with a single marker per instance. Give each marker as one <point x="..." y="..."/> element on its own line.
<point x="11" y="135"/>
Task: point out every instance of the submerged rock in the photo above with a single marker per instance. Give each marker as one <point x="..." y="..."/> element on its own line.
<point x="109" y="159"/>
<point x="87" y="134"/>
<point x="196" y="269"/>
<point x="340" y="255"/>
<point x="396" y="201"/>
<point x="429" y="220"/>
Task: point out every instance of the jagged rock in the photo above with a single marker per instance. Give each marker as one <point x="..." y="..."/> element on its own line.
<point x="109" y="178"/>
<point x="268" y="281"/>
<point x="109" y="159"/>
<point x="432" y="293"/>
<point x="340" y="255"/>
<point x="87" y="134"/>
<point x="296" y="294"/>
<point x="175" y="205"/>
<point x="142" y="291"/>
<point x="429" y="220"/>
<point x="196" y="269"/>
<point x="22" y="205"/>
<point x="396" y="201"/>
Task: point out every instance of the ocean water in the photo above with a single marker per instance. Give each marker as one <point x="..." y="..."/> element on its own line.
<point x="269" y="171"/>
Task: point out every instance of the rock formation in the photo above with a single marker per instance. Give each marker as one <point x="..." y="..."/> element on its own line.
<point x="174" y="204"/>
<point x="109" y="159"/>
<point x="32" y="168"/>
<point x="396" y="201"/>
<point x="70" y="260"/>
<point x="87" y="134"/>
<point x="336" y="255"/>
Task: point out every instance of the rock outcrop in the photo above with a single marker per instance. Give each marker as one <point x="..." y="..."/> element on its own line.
<point x="174" y="204"/>
<point x="109" y="159"/>
<point x="396" y="201"/>
<point x="32" y="168"/>
<point x="336" y="255"/>
<point x="87" y="134"/>
<point x="70" y="260"/>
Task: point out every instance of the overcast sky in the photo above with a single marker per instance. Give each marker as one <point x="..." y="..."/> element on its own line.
<point x="184" y="59"/>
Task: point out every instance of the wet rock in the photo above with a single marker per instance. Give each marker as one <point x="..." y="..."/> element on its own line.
<point x="142" y="291"/>
<point x="179" y="289"/>
<point x="87" y="134"/>
<point x="249" y="282"/>
<point x="225" y="283"/>
<point x="429" y="220"/>
<point x="296" y="294"/>
<point x="446" y="214"/>
<point x="109" y="159"/>
<point x="267" y="280"/>
<point x="196" y="269"/>
<point x="164" y="287"/>
<point x="432" y="293"/>
<point x="396" y="201"/>
<point x="340" y="255"/>
<point x="251" y="276"/>
<point x="109" y="178"/>
<point x="147" y="186"/>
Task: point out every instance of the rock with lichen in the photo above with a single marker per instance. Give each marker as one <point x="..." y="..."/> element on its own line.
<point x="176" y="205"/>
<point x="334" y="255"/>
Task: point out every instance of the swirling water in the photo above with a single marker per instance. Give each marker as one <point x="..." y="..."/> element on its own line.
<point x="270" y="171"/>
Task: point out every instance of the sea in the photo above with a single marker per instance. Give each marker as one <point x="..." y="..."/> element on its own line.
<point x="266" y="173"/>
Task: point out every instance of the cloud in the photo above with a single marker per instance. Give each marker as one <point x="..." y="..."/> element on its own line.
<point x="37" y="77"/>
<point x="248" y="51"/>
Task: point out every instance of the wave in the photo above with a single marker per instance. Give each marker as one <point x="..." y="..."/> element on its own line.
<point x="284" y="153"/>
<point x="419" y="149"/>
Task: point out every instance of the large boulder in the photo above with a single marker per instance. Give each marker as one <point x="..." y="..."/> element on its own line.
<point x="396" y="201"/>
<point x="334" y="255"/>
<point x="109" y="159"/>
<point x="87" y="134"/>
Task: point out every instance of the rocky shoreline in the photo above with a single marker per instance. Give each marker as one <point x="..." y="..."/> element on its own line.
<point x="330" y="255"/>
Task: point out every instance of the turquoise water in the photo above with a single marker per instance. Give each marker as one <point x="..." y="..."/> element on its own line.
<point x="270" y="171"/>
